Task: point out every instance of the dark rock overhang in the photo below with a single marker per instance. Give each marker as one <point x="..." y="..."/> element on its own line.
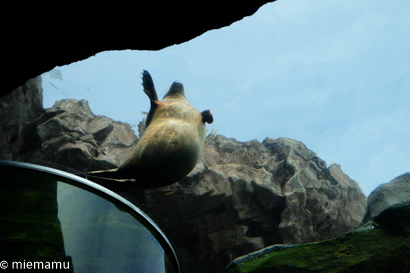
<point x="36" y="39"/>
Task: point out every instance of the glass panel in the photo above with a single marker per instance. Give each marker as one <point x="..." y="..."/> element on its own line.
<point x="54" y="222"/>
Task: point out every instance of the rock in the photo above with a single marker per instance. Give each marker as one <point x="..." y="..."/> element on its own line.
<point x="245" y="196"/>
<point x="70" y="137"/>
<point x="380" y="246"/>
<point x="17" y="109"/>
<point x="89" y="36"/>
<point x="386" y="195"/>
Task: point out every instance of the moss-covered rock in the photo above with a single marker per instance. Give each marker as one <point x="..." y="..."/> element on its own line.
<point x="382" y="245"/>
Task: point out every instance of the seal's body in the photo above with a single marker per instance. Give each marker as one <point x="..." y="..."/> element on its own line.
<point x="171" y="144"/>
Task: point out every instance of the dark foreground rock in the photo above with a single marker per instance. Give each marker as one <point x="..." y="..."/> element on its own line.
<point x="241" y="196"/>
<point x="17" y="109"/>
<point x="382" y="245"/>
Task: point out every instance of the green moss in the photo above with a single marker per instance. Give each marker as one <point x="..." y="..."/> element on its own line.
<point x="374" y="248"/>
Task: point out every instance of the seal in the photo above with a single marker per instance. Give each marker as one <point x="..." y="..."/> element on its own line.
<point x="170" y="146"/>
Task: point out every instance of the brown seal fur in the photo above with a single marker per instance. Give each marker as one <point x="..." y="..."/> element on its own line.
<point x="170" y="146"/>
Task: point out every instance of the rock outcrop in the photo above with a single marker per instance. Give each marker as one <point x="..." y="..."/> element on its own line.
<point x="386" y="195"/>
<point x="241" y="197"/>
<point x="381" y="245"/>
<point x="67" y="136"/>
<point x="71" y="136"/>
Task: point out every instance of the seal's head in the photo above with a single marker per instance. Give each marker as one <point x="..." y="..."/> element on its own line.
<point x="176" y="90"/>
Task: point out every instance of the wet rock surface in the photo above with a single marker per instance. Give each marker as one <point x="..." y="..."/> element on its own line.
<point x="241" y="196"/>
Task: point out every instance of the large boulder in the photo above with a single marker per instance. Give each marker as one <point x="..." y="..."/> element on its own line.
<point x="386" y="195"/>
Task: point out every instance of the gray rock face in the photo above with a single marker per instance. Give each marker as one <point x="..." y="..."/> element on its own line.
<point x="67" y="136"/>
<point x="245" y="196"/>
<point x="71" y="135"/>
<point x="241" y="197"/>
<point x="387" y="195"/>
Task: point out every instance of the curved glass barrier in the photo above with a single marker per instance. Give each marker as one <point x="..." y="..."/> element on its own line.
<point x="50" y="219"/>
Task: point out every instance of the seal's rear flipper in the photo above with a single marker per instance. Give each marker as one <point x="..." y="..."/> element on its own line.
<point x="148" y="86"/>
<point x="149" y="90"/>
<point x="107" y="174"/>
<point x="114" y="184"/>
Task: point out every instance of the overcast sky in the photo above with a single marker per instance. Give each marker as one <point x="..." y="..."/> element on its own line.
<point x="334" y="75"/>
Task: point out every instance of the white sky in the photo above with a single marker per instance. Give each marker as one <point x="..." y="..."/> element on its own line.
<point x="334" y="75"/>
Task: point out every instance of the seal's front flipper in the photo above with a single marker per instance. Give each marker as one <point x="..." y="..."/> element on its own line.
<point x="207" y="116"/>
